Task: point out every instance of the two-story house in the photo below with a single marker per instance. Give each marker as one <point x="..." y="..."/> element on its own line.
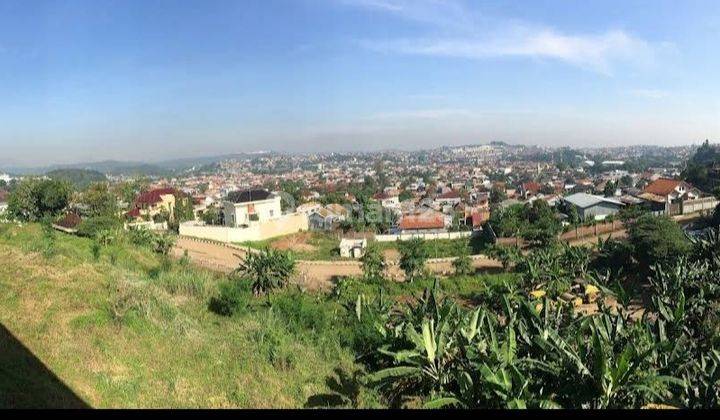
<point x="242" y="208"/>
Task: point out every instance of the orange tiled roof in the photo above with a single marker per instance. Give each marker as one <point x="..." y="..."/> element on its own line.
<point x="421" y="221"/>
<point x="662" y="186"/>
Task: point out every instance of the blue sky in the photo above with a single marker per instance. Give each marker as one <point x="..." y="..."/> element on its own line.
<point x="150" y="80"/>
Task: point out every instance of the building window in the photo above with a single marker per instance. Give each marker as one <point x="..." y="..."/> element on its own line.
<point x="272" y="213"/>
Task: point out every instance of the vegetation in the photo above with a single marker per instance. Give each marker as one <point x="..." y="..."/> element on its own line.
<point x="703" y="168"/>
<point x="373" y="262"/>
<point x="534" y="222"/>
<point x="34" y="199"/>
<point x="510" y="340"/>
<point x="463" y="263"/>
<point x="657" y="240"/>
<point x="267" y="269"/>
<point x="80" y="179"/>
<point x="138" y="333"/>
<point x="413" y="255"/>
<point x="99" y="200"/>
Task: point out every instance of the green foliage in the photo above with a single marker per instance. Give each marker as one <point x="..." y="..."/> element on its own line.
<point x="405" y="195"/>
<point x="657" y="240"/>
<point x="163" y="243"/>
<point x="267" y="269"/>
<point x="92" y="226"/>
<point x="507" y="255"/>
<point x="463" y="263"/>
<point x="99" y="201"/>
<point x="413" y="255"/>
<point x="33" y="199"/>
<point x="211" y="216"/>
<point x="534" y="222"/>
<point x="233" y="299"/>
<point x="702" y="168"/>
<point x="373" y="262"/>
<point x="78" y="178"/>
<point x="497" y="195"/>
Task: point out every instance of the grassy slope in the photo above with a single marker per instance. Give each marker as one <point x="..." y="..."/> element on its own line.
<point x="168" y="350"/>
<point x="125" y="332"/>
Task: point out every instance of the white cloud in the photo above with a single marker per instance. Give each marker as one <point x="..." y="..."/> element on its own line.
<point x="465" y="34"/>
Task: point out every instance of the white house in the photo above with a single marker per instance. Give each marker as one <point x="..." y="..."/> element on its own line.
<point x="388" y="201"/>
<point x="243" y="208"/>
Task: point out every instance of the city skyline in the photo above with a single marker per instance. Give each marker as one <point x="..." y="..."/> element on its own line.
<point x="145" y="81"/>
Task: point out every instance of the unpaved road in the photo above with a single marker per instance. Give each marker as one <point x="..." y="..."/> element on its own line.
<point x="319" y="274"/>
<point x="311" y="274"/>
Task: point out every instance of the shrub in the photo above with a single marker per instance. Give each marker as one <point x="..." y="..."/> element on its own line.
<point x="657" y="240"/>
<point x="373" y="262"/>
<point x="233" y="298"/>
<point x="92" y="226"/>
<point x="302" y="312"/>
<point x="413" y="255"/>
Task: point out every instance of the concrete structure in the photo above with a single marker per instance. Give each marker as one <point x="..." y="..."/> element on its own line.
<point x="245" y="208"/>
<point x="283" y="225"/>
<point x="593" y="206"/>
<point x="352" y="248"/>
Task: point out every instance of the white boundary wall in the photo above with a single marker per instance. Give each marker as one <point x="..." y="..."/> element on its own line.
<point x="285" y="225"/>
<point x="701" y="204"/>
<point x="426" y="236"/>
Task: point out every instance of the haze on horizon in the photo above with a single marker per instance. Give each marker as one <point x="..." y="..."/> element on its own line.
<point x="150" y="80"/>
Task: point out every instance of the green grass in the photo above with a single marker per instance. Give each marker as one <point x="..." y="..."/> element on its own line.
<point x="131" y="329"/>
<point x="121" y="337"/>
<point x="463" y="288"/>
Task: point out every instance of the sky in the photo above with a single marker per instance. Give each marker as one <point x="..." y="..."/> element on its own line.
<point x="89" y="80"/>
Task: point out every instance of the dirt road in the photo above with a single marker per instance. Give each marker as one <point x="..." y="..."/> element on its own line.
<point x="311" y="274"/>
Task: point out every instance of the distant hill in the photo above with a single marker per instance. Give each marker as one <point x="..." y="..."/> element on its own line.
<point x="80" y="178"/>
<point x="114" y="167"/>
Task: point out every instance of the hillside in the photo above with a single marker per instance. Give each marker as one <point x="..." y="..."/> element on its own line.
<point x="79" y="178"/>
<point x="127" y="331"/>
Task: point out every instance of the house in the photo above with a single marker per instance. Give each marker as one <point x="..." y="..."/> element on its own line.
<point x="593" y="207"/>
<point x="153" y="202"/>
<point x="449" y="198"/>
<point x="528" y="189"/>
<point x="68" y="223"/>
<point x="667" y="195"/>
<point x="308" y="208"/>
<point x="352" y="248"/>
<point x="325" y="218"/>
<point x="388" y="201"/>
<point x="241" y="208"/>
<point x="338" y="209"/>
<point x="425" y="222"/>
<point x="478" y="217"/>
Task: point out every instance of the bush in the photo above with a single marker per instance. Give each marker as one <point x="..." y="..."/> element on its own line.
<point x="303" y="312"/>
<point x="92" y="226"/>
<point x="657" y="240"/>
<point x="233" y="299"/>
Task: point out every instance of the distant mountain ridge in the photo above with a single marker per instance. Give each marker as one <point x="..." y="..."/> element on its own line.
<point x="115" y="167"/>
